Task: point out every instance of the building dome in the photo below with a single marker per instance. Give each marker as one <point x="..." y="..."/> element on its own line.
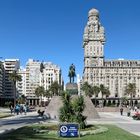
<point x="93" y="12"/>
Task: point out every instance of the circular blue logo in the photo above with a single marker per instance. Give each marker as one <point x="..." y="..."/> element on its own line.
<point x="63" y="129"/>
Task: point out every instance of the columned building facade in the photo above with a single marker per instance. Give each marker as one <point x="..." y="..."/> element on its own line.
<point x="114" y="74"/>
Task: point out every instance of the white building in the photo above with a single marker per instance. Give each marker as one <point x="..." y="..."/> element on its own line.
<point x="79" y="84"/>
<point x="35" y="78"/>
<point x="51" y="73"/>
<point x="10" y="65"/>
<point x="21" y="85"/>
<point x="114" y="74"/>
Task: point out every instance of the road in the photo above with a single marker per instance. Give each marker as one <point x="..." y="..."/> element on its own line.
<point x="124" y="122"/>
<point x="17" y="121"/>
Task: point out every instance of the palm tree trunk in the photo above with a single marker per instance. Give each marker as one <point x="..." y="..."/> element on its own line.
<point x="131" y="100"/>
<point x="14" y="94"/>
<point x="95" y="101"/>
<point x="102" y="101"/>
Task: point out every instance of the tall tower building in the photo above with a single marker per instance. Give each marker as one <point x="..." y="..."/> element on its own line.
<point x="93" y="44"/>
<point x="113" y="74"/>
<point x="32" y="77"/>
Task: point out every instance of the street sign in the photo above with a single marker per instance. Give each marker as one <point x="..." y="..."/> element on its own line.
<point x="69" y="130"/>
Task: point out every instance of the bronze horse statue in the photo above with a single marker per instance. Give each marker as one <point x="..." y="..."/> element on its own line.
<point x="72" y="73"/>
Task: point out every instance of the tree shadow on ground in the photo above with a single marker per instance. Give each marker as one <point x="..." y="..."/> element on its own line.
<point x="25" y="133"/>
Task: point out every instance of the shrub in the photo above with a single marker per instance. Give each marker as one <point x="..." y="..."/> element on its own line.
<point x="72" y="110"/>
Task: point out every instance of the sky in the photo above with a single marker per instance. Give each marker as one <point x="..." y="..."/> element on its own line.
<point x="52" y="30"/>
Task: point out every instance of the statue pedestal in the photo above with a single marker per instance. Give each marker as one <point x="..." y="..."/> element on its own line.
<point x="72" y="88"/>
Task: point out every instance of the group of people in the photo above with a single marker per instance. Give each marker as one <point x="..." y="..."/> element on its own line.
<point x="130" y="111"/>
<point x="19" y="108"/>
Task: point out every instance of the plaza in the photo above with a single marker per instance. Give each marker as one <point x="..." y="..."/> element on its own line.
<point x="69" y="63"/>
<point x="107" y="118"/>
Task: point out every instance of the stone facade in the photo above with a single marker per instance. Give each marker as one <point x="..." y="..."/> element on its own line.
<point x="114" y="74"/>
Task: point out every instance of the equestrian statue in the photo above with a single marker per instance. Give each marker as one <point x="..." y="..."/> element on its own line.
<point x="72" y="73"/>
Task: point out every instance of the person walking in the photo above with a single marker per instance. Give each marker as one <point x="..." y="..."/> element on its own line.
<point x="11" y="109"/>
<point x="121" y="111"/>
<point x="25" y="109"/>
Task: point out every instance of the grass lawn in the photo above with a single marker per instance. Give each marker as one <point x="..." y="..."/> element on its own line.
<point x="4" y="114"/>
<point x="27" y="133"/>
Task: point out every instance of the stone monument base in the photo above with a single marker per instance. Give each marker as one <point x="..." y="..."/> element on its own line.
<point x="56" y="103"/>
<point x="72" y="88"/>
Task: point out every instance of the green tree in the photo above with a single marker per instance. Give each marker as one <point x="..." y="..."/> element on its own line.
<point x="78" y="106"/>
<point x="87" y="89"/>
<point x="47" y="93"/>
<point x="55" y="88"/>
<point x="14" y="77"/>
<point x="130" y="89"/>
<point x="124" y="100"/>
<point x="66" y="111"/>
<point x="72" y="109"/>
<point x="104" y="91"/>
<point x="21" y="99"/>
<point x="41" y="67"/>
<point x="39" y="92"/>
<point x="96" y="91"/>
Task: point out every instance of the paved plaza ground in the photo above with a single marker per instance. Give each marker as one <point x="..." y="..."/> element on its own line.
<point x="124" y="122"/>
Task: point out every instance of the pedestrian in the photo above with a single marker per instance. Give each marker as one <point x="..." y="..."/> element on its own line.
<point x="128" y="111"/>
<point x="25" y="109"/>
<point x="11" y="108"/>
<point x="17" y="108"/>
<point x="135" y="108"/>
<point x="121" y="111"/>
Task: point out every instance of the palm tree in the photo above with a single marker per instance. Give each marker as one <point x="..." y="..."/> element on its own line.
<point x="14" y="77"/>
<point x="22" y="99"/>
<point x="55" y="88"/>
<point x="104" y="91"/>
<point x="41" y="67"/>
<point x="72" y="109"/>
<point x="41" y="71"/>
<point x="96" y="91"/>
<point x="66" y="110"/>
<point x="107" y="92"/>
<point x="47" y="93"/>
<point x="130" y="90"/>
<point x="124" y="100"/>
<point x="39" y="92"/>
<point x="87" y="89"/>
<point x="78" y="106"/>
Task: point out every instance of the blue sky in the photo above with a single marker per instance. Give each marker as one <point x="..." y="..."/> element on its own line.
<point x="52" y="30"/>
